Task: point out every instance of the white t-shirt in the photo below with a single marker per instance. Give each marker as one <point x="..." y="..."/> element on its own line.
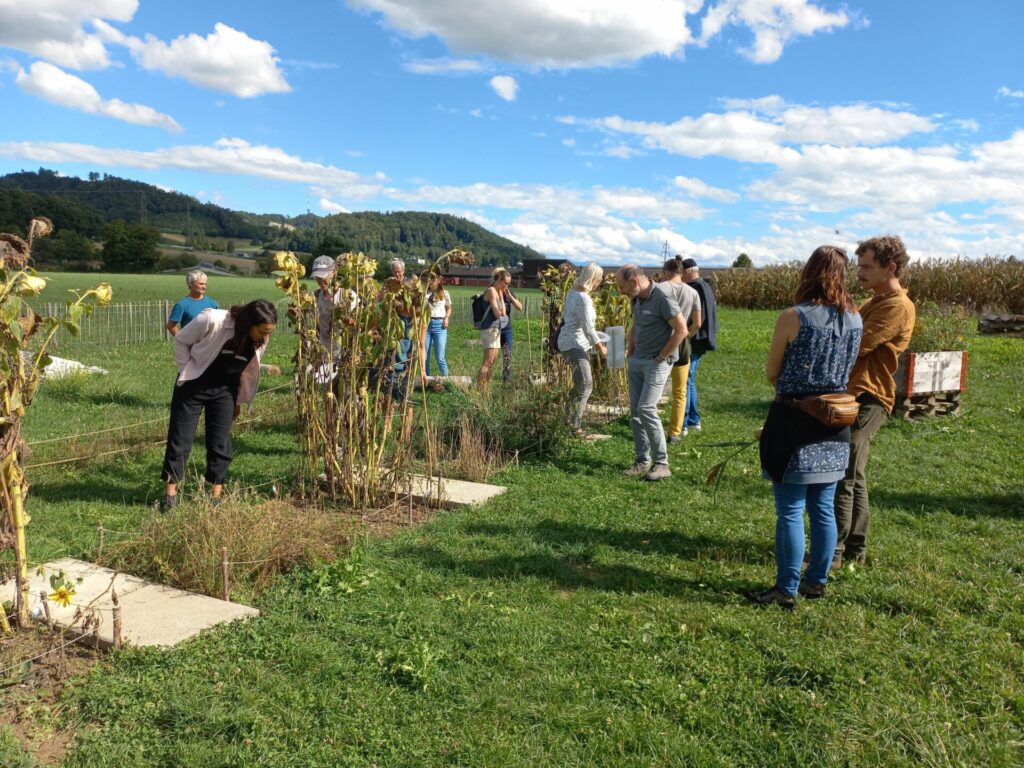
<point x="439" y="308"/>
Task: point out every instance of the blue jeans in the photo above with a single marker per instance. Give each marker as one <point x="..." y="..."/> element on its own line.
<point x="437" y="339"/>
<point x="790" y="500"/>
<point x="692" y="418"/>
<point x="647" y="379"/>
<point x="506" y="353"/>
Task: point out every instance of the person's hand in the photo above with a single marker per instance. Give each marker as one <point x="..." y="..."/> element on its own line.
<point x="444" y="323"/>
<point x="629" y="350"/>
<point x="238" y="410"/>
<point x="757" y="434"/>
<point x="602" y="349"/>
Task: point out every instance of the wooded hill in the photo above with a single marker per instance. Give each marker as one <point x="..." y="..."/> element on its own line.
<point x="85" y="206"/>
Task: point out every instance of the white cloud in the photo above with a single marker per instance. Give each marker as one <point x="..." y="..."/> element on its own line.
<point x="332" y="207"/>
<point x="443" y="66"/>
<point x="55" y="29"/>
<point x="569" y="142"/>
<point x="774" y="23"/>
<point x="968" y="125"/>
<point x="229" y="155"/>
<point x="58" y="87"/>
<point x="1009" y="94"/>
<point x="477" y="112"/>
<point x="748" y="136"/>
<point x="225" y="60"/>
<point x="622" y="151"/>
<point x="564" y="34"/>
<point x="506" y="87"/>
<point x="698" y="188"/>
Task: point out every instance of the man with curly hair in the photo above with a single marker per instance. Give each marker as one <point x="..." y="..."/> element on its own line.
<point x="888" y="318"/>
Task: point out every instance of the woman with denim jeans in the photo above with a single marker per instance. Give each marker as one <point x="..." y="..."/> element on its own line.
<point x="440" y="303"/>
<point x="812" y="352"/>
<point x="577" y="338"/>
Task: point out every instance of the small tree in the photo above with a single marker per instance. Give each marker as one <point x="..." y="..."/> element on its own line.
<point x="742" y="261"/>
<point x="22" y="361"/>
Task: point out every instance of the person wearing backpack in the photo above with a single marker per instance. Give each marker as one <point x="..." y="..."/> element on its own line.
<point x="494" y="320"/>
<point x="705" y="338"/>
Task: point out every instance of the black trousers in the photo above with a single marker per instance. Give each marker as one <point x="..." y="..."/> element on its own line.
<point x="187" y="402"/>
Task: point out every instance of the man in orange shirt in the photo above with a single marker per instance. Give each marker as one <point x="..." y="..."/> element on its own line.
<point x="888" y="323"/>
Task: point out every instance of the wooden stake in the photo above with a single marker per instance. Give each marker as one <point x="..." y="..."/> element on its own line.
<point x="99" y="550"/>
<point x="224" y="572"/>
<point x="117" y="620"/>
<point x="46" y="609"/>
<point x="20" y="545"/>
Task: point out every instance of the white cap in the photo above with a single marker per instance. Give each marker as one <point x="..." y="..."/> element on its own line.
<point x="323" y="266"/>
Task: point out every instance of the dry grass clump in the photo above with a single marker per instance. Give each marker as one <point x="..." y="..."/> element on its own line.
<point x="264" y="539"/>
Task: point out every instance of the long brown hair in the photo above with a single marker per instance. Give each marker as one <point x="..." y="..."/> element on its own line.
<point x="823" y="280"/>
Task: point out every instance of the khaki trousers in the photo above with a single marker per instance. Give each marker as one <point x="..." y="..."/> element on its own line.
<point x="853" y="513"/>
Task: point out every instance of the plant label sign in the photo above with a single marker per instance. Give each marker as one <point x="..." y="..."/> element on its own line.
<point x="925" y="372"/>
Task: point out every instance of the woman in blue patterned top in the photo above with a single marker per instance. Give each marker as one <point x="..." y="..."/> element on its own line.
<point x="812" y="351"/>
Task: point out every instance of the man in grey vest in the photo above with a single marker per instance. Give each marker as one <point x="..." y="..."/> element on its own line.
<point x="657" y="330"/>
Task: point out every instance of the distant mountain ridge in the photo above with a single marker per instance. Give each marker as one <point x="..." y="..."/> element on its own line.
<point x="86" y="205"/>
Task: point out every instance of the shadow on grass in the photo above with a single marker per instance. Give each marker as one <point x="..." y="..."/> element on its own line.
<point x="1008" y="505"/>
<point x="576" y="570"/>
<point x="565" y="572"/>
<point x="552" y="533"/>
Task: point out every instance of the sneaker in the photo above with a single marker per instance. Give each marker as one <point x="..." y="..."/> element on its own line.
<point x="772" y="596"/>
<point x="638" y="469"/>
<point x="168" y="503"/>
<point x="658" y="472"/>
<point x="673" y="439"/>
<point x="216" y="501"/>
<point x="811" y="591"/>
<point x="696" y="427"/>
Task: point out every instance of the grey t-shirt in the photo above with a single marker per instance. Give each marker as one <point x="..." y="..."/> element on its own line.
<point x="651" y="329"/>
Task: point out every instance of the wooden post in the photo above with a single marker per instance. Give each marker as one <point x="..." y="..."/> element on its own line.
<point x="99" y="550"/>
<point x="167" y="314"/>
<point x="117" y="619"/>
<point x="46" y="609"/>
<point x="224" y="572"/>
<point x="20" y="545"/>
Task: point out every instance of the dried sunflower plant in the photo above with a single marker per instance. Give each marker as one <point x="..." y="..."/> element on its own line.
<point x="357" y="359"/>
<point x="24" y="339"/>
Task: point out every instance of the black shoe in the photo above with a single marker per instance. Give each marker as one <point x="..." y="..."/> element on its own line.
<point x="772" y="597"/>
<point x="811" y="591"/>
<point x="168" y="503"/>
<point x="216" y="501"/>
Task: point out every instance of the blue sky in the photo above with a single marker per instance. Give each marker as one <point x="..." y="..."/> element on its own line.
<point x="589" y="129"/>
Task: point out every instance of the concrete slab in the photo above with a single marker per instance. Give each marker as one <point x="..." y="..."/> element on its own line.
<point x="151" y="614"/>
<point x="605" y="411"/>
<point x="463" y="382"/>
<point x="452" y="494"/>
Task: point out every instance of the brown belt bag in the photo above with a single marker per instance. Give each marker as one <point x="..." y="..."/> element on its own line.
<point x="839" y="410"/>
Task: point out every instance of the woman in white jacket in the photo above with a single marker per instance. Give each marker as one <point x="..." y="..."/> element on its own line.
<point x="577" y="337"/>
<point x="218" y="357"/>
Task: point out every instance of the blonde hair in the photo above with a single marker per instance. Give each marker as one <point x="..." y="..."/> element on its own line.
<point x="589" y="277"/>
<point x="499" y="274"/>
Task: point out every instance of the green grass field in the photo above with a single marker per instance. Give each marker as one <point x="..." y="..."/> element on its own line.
<point x="581" y="619"/>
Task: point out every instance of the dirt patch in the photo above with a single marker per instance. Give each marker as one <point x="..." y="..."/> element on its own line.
<point x="34" y="668"/>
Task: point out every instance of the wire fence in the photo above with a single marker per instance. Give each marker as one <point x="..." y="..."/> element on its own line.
<point x="133" y="322"/>
<point x="137" y="322"/>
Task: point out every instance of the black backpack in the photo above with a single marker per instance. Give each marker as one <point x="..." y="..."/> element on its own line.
<point x="481" y="308"/>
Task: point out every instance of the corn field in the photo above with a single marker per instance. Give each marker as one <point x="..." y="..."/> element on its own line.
<point x="981" y="284"/>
